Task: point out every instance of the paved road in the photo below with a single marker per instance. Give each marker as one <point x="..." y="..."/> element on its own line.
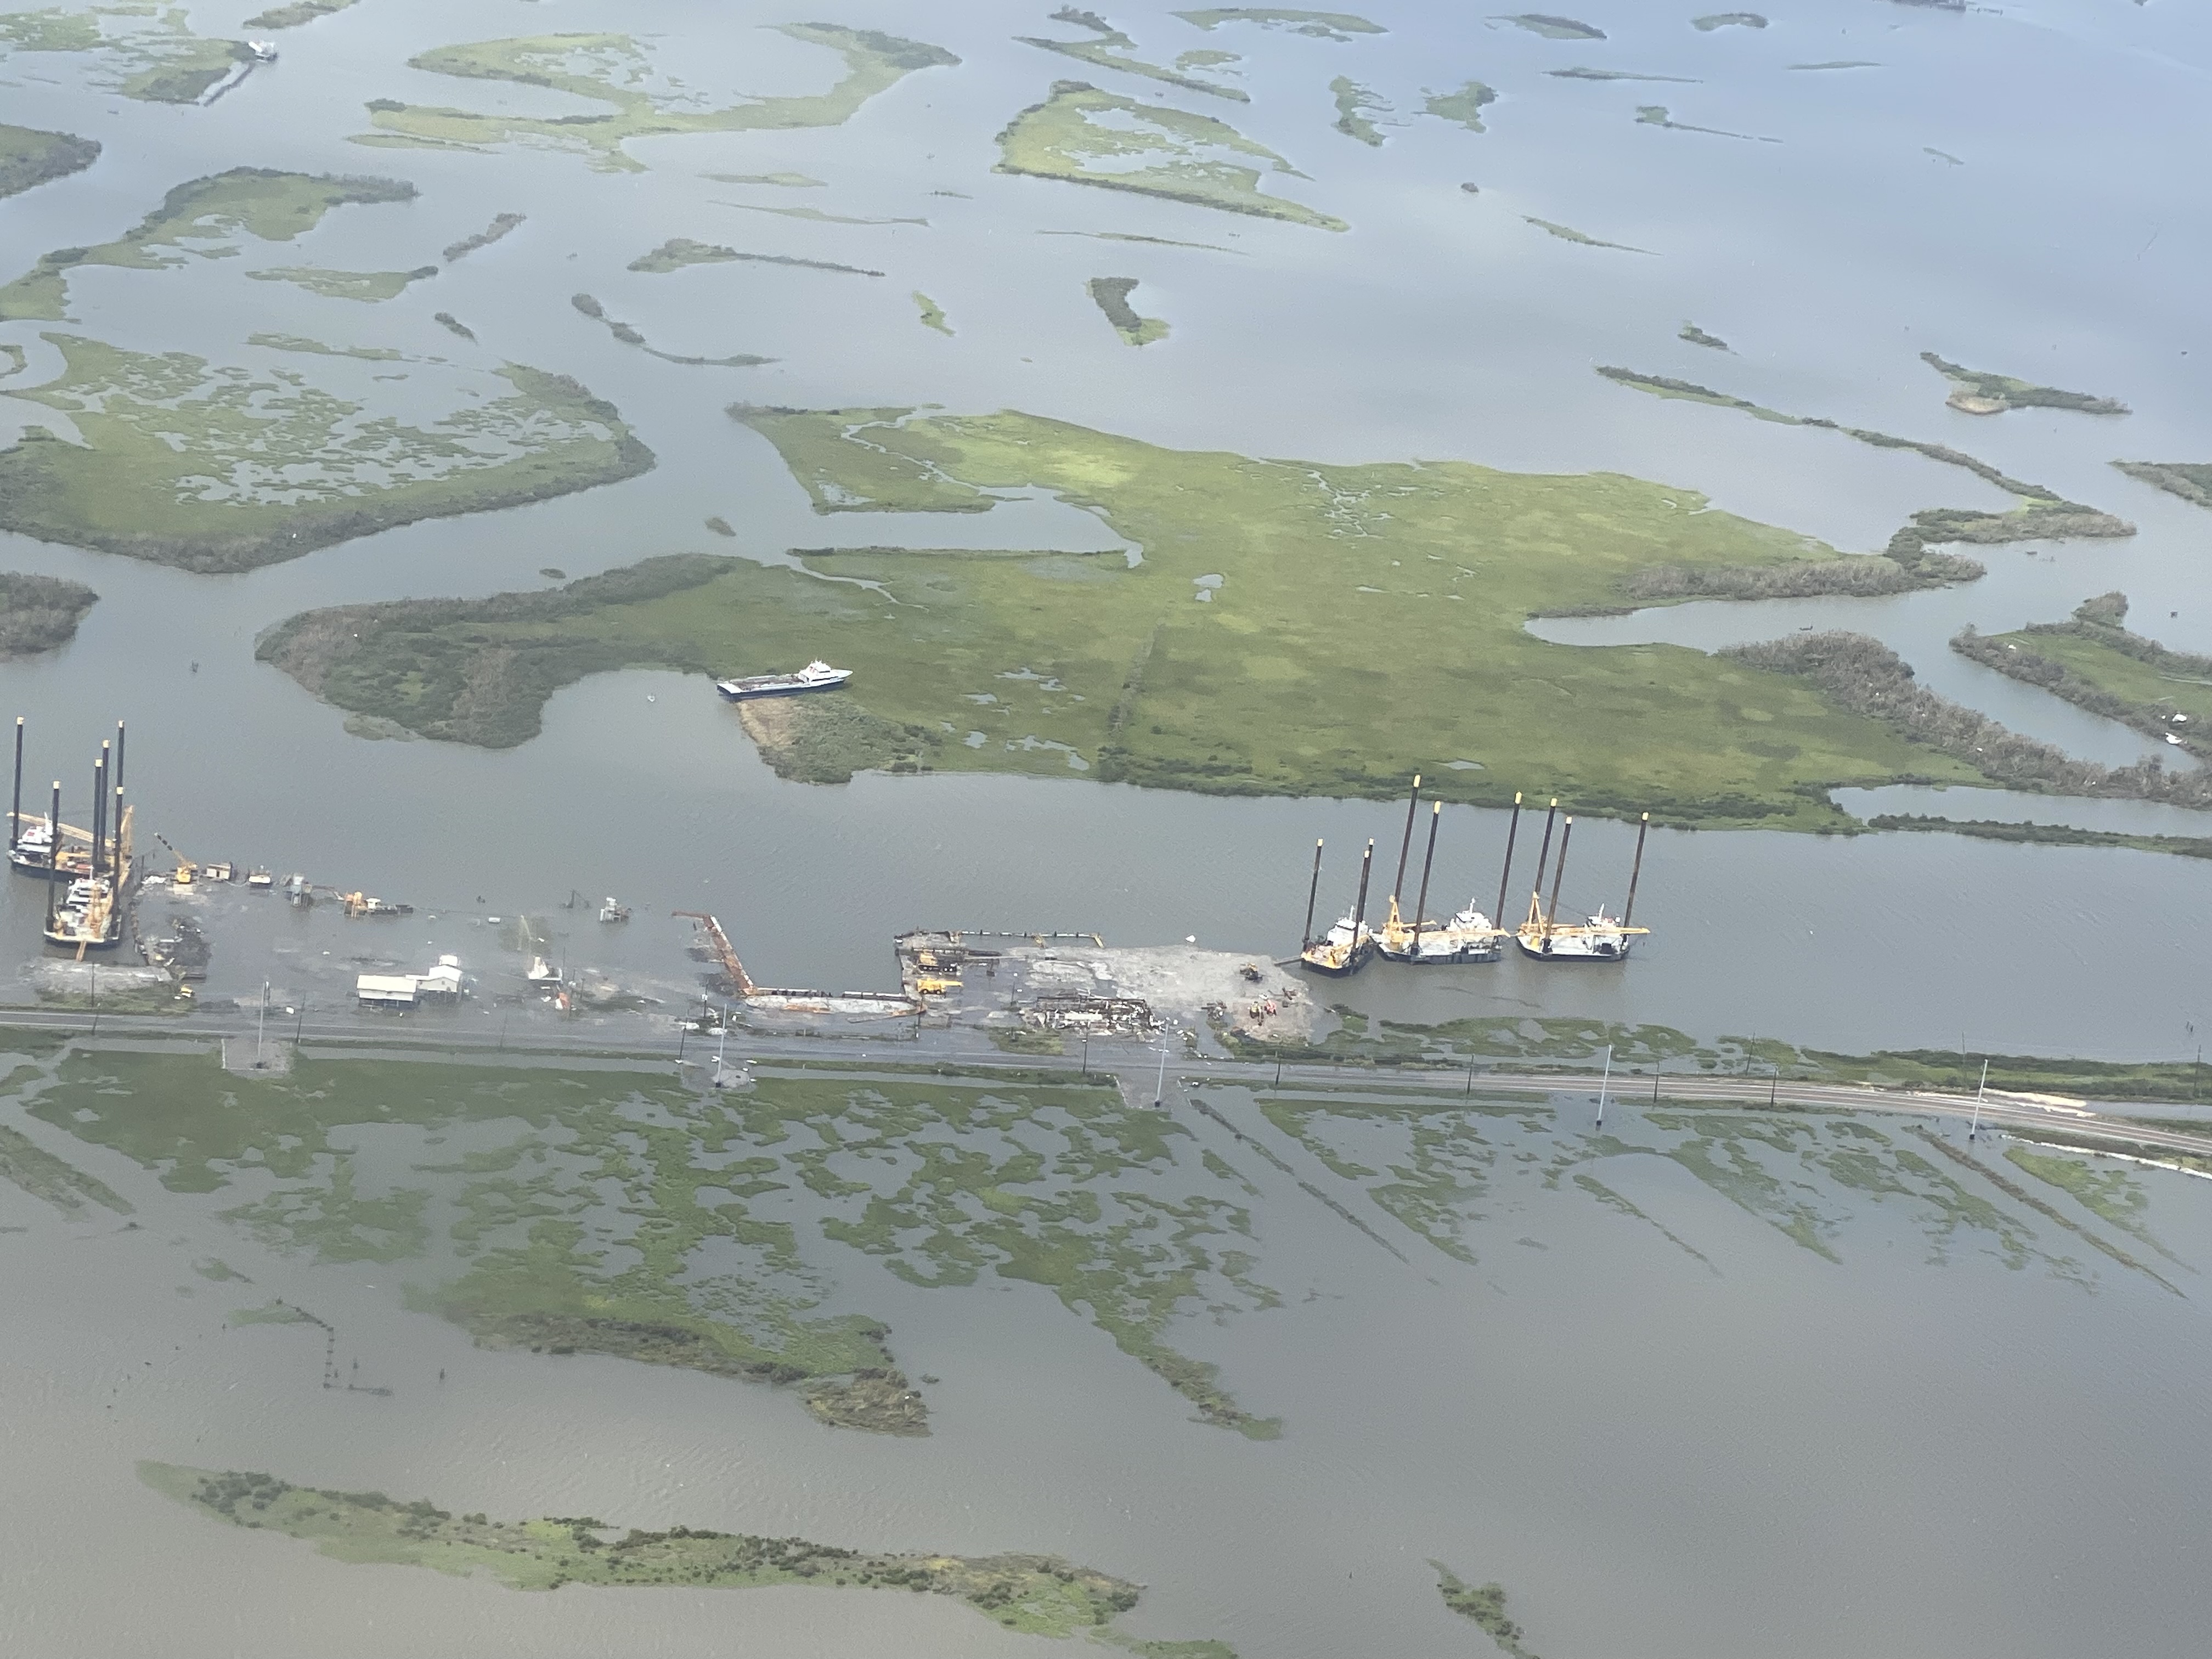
<point x="1136" y="1068"/>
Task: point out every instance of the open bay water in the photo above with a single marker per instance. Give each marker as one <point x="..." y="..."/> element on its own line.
<point x="1792" y="1457"/>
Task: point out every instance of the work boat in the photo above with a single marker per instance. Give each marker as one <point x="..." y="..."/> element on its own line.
<point x="1601" y="937"/>
<point x="1345" y="949"/>
<point x="1467" y="937"/>
<point x="816" y="676"/>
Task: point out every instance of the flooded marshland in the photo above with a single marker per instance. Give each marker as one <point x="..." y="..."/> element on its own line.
<point x="1698" y="1383"/>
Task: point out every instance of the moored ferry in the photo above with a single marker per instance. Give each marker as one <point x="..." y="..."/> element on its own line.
<point x="816" y="676"/>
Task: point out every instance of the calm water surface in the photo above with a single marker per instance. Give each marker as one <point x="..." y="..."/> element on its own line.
<point x="1783" y="1455"/>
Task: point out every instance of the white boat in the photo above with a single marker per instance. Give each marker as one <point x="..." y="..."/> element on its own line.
<point x="264" y="51"/>
<point x="1466" y="937"/>
<point x="1600" y="938"/>
<point x="542" y="974"/>
<point x="1345" y="949"/>
<point x="816" y="676"/>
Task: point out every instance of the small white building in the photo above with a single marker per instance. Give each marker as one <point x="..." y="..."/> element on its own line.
<point x="441" y="983"/>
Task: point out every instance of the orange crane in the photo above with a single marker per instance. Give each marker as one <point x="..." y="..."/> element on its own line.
<point x="719" y="942"/>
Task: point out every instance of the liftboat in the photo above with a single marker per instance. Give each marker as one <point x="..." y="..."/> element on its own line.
<point x="87" y="912"/>
<point x="1468" y="936"/>
<point x="1349" y="945"/>
<point x="816" y="676"/>
<point x="1598" y="937"/>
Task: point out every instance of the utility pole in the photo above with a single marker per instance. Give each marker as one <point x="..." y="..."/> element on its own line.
<point x="1160" y="1089"/>
<point x="1604" y="1082"/>
<point x="1086" y="1059"/>
<point x="95" y="990"/>
<point x="261" y="1029"/>
<point x="1974" y="1128"/>
<point x="1655" y="1065"/>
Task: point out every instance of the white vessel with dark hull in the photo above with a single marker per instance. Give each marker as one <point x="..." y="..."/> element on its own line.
<point x="1467" y="936"/>
<point x="1597" y="937"/>
<point x="816" y="676"/>
<point x="1349" y="945"/>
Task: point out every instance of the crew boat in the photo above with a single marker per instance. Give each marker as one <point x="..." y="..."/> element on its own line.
<point x="816" y="676"/>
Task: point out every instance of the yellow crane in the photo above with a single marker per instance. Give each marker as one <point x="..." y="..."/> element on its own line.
<point x="186" y="869"/>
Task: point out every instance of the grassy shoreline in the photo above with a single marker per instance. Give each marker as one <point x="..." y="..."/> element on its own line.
<point x="2094" y="663"/>
<point x="1247" y="653"/>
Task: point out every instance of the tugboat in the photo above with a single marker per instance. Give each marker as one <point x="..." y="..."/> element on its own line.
<point x="816" y="676"/>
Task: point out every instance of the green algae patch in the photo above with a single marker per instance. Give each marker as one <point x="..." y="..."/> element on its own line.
<point x="1112" y="53"/>
<point x="367" y="286"/>
<point x="1553" y="27"/>
<point x="1465" y="105"/>
<point x="1979" y="392"/>
<point x="2191" y="480"/>
<point x="1083" y="136"/>
<point x="1486" y="1605"/>
<point x="1267" y="688"/>
<point x="640" y="98"/>
<point x="2095" y="663"/>
<point x="1111" y="296"/>
<point x="1317" y="25"/>
<point x="30" y="157"/>
<point x="1038" y="1594"/>
<point x="1355" y="106"/>
<point x="1697" y="336"/>
<point x="1581" y="239"/>
<point x="219" y="467"/>
<point x="59" y="1182"/>
<point x="40" y="613"/>
<point x="203" y="219"/>
<point x="1721" y="20"/>
<point x="931" y="313"/>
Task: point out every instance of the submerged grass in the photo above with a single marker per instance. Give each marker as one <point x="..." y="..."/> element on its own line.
<point x="618" y="1214"/>
<point x="1314" y="574"/>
